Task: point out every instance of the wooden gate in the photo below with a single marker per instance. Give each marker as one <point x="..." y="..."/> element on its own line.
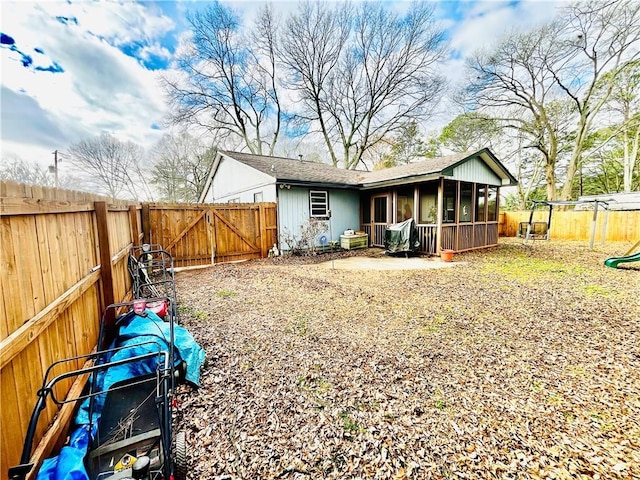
<point x="205" y="234"/>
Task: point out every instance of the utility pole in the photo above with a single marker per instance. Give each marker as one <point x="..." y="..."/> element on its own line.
<point x="54" y="168"/>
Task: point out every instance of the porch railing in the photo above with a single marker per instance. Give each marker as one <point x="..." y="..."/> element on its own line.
<point x="376" y="233"/>
<point x="468" y="236"/>
<point x="458" y="237"/>
<point x="428" y="235"/>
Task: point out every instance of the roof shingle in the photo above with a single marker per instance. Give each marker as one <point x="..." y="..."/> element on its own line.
<point x="290" y="170"/>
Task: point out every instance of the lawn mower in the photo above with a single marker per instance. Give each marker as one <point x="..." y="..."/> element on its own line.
<point x="123" y="427"/>
<point x="152" y="275"/>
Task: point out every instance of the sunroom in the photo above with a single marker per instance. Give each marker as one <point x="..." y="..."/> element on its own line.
<point x="455" y="204"/>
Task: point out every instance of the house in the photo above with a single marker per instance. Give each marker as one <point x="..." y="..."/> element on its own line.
<point x="454" y="200"/>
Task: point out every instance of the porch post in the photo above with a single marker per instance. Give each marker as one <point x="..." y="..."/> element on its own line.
<point x="458" y="188"/>
<point x="439" y="216"/>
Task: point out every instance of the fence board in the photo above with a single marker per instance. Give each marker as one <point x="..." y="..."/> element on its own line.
<point x="51" y="296"/>
<point x="27" y="370"/>
<point x="29" y="206"/>
<point x="27" y="261"/>
<point x="202" y="234"/>
<point x="58" y="249"/>
<point x="622" y="226"/>
<point x="20" y="338"/>
<point x="9" y="279"/>
<point x="10" y="416"/>
<point x="45" y="244"/>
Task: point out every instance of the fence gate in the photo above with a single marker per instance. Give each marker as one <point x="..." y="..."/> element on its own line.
<point x="206" y="234"/>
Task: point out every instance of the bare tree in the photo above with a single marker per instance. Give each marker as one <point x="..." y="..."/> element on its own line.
<point x="557" y="72"/>
<point x="527" y="164"/>
<point x="181" y="163"/>
<point x="224" y="82"/>
<point x="625" y="100"/>
<point x="15" y="169"/>
<point x="606" y="36"/>
<point x="311" y="46"/>
<point x="362" y="74"/>
<point x="513" y="83"/>
<point x="112" y="167"/>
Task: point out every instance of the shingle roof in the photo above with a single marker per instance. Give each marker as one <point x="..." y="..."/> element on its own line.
<point x="288" y="169"/>
<point x="425" y="167"/>
<point x="291" y="170"/>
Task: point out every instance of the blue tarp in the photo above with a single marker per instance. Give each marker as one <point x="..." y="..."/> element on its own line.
<point x="134" y="331"/>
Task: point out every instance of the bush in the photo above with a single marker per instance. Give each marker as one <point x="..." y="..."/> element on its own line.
<point x="305" y="243"/>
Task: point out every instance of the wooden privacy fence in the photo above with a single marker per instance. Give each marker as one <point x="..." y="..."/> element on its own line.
<point x="63" y="257"/>
<point x="200" y="234"/>
<point x="621" y="226"/>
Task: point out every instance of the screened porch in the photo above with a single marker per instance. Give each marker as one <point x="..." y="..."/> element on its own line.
<point x="449" y="214"/>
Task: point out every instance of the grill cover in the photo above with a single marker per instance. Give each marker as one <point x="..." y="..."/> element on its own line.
<point x="402" y="237"/>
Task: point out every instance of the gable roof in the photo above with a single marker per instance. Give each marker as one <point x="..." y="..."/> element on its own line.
<point x="290" y="170"/>
<point x="438" y="166"/>
<point x="304" y="172"/>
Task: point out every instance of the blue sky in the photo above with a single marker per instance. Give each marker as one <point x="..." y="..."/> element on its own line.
<point x="73" y="69"/>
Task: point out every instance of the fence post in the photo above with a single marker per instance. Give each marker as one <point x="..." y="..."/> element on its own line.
<point x="145" y="221"/>
<point x="264" y="248"/>
<point x="133" y="220"/>
<point x="106" y="270"/>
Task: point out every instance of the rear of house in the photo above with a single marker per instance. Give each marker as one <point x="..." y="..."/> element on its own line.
<point x="454" y="200"/>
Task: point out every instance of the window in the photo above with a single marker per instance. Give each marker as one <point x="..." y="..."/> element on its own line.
<point x="319" y="203"/>
<point x="380" y="209"/>
<point x="449" y="202"/>
<point x="257" y="197"/>
<point x="492" y="204"/>
<point x="234" y="200"/>
<point x="405" y="205"/>
<point x="480" y="203"/>
<point x="429" y="203"/>
<point x="466" y="202"/>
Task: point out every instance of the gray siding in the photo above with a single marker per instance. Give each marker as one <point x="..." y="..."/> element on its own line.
<point x="293" y="211"/>
<point x="475" y="170"/>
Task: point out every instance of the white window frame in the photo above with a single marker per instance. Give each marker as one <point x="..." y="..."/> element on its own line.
<point x="316" y="204"/>
<point x="256" y="196"/>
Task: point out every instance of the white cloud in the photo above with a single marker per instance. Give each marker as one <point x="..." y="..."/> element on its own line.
<point x="154" y="50"/>
<point x="101" y="88"/>
<point x="486" y="21"/>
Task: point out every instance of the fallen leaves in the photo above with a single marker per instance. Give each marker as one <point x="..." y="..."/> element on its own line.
<point x="469" y="372"/>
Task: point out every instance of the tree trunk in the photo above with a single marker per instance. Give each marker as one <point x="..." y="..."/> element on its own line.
<point x="630" y="158"/>
<point x="576" y="156"/>
<point x="550" y="177"/>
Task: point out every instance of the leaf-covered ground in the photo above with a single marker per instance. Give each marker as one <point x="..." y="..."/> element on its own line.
<point x="520" y="362"/>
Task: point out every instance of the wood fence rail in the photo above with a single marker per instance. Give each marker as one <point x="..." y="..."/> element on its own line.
<point x="63" y="258"/>
<point x="621" y="226"/>
<point x="203" y="234"/>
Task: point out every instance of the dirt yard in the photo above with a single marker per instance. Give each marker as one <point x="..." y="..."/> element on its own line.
<point x="519" y="362"/>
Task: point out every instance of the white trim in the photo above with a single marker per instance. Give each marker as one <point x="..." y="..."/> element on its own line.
<point x="325" y="193"/>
